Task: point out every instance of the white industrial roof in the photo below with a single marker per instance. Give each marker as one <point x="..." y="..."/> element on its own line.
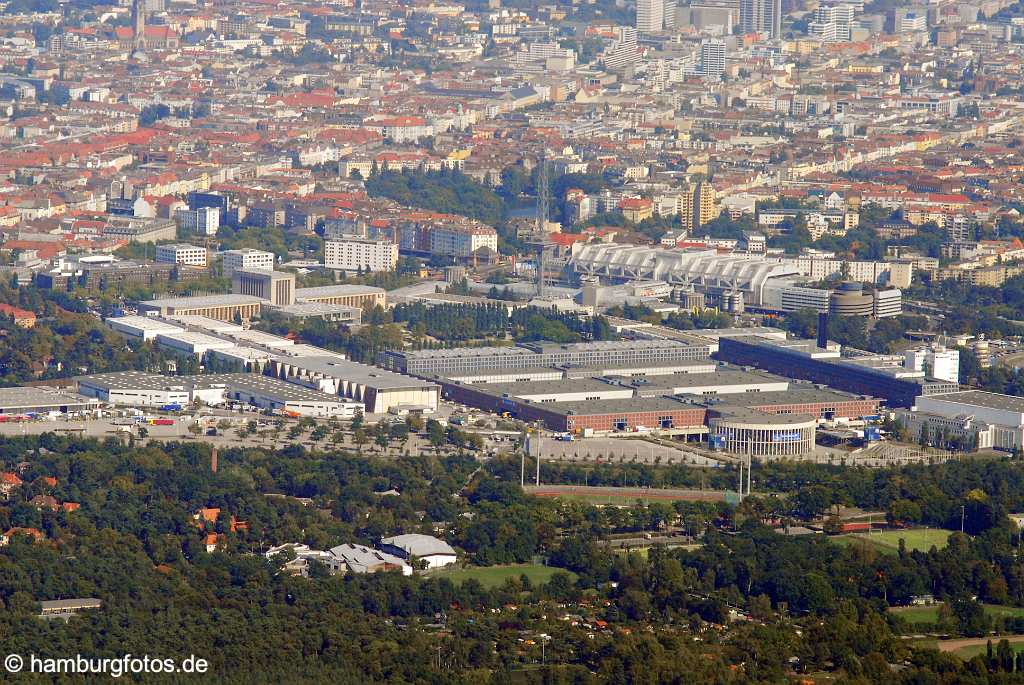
<point x="143" y="323"/>
<point x="419" y="545"/>
<point x="193" y="338"/>
<point x="207" y="323"/>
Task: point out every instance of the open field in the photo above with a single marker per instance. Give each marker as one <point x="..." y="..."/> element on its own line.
<point x="624" y="496"/>
<point x="930" y="613"/>
<point x="967" y="652"/>
<point x="495" y="576"/>
<point x="967" y="647"/>
<point x="919" y="614"/>
<point x="921" y="539"/>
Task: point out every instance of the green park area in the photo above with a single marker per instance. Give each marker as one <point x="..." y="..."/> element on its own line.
<point x="495" y="576"/>
<point x="921" y="539"/>
<point x="930" y="613"/>
<point x="967" y="648"/>
<point x="970" y="651"/>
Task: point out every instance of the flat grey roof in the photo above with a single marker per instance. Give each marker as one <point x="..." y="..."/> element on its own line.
<point x="266" y="386"/>
<point x="146" y="323"/>
<point x="540" y="348"/>
<point x="651" y="369"/>
<point x="603" y="345"/>
<point x="742" y="413"/>
<point x="647" y="366"/>
<point x="633" y="404"/>
<point x="248" y="353"/>
<point x="341" y="289"/>
<point x="716" y="333"/>
<point x="133" y="380"/>
<point x="461" y="352"/>
<point x="980" y="398"/>
<point x="80" y="603"/>
<point x="28" y="397"/>
<point x="795" y="395"/>
<point x="203" y="301"/>
<point x="353" y="371"/>
<point x="666" y="383"/>
<point x="313" y="308"/>
<point x="487" y="373"/>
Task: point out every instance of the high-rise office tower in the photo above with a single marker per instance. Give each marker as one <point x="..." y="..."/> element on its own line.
<point x="650" y="15"/>
<point x="712" y="58"/>
<point x="761" y="16"/>
<point x="669" y="14"/>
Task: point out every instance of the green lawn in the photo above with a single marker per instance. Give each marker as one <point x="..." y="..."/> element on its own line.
<point x="930" y="614"/>
<point x="921" y="614"/>
<point x="921" y="539"/>
<point x="1016" y="644"/>
<point x="495" y="576"/>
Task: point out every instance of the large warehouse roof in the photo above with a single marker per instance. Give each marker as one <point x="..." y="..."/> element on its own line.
<point x="29" y="398"/>
<point x="370" y="376"/>
<point x="722" y="379"/>
<point x="340" y="290"/>
<point x="980" y="398"/>
<point x="202" y="301"/>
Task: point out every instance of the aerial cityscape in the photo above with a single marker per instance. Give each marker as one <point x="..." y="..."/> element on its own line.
<point x="617" y="341"/>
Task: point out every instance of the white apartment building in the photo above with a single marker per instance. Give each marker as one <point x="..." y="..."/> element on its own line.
<point x="202" y="220"/>
<point x="181" y="253"/>
<point x="623" y="52"/>
<point x="355" y="254"/>
<point x="247" y="259"/>
<point x="462" y="242"/>
<point x="910" y="21"/>
<point x="897" y="274"/>
<point x="712" y="58"/>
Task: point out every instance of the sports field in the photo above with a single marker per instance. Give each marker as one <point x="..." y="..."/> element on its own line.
<point x="495" y="576"/>
<point x="921" y="539"/>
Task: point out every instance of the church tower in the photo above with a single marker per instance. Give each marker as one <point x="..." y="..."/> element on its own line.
<point x="138" y="26"/>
